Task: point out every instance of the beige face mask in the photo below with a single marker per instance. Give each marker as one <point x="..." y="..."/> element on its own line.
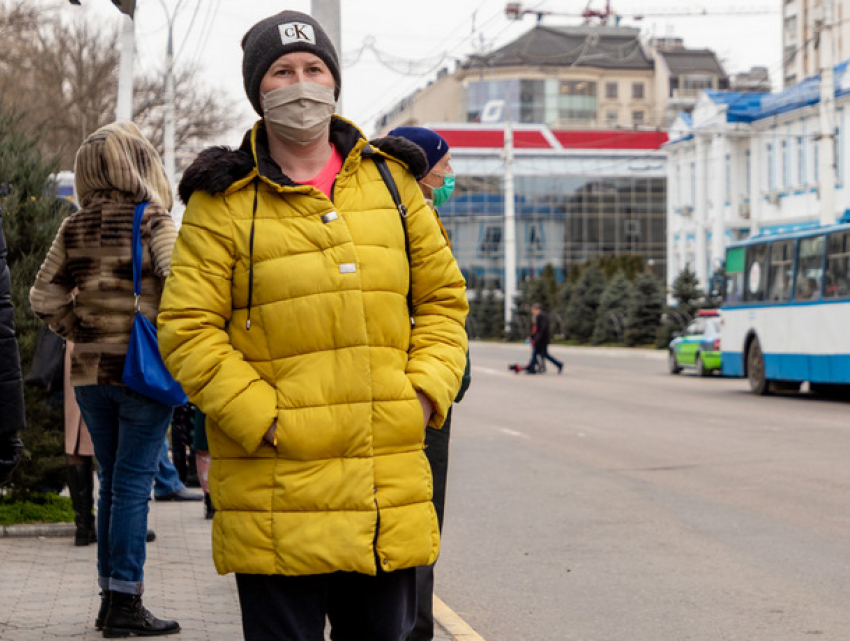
<point x="299" y="113"/>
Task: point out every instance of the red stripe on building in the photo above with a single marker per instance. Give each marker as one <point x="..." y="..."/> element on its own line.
<point x="475" y="138"/>
<point x="613" y="139"/>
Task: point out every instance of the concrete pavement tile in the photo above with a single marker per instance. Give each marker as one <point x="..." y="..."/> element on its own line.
<point x="49" y="588"/>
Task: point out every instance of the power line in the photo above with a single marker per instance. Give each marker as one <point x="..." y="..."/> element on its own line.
<point x="206" y="29"/>
<point x="188" y="31"/>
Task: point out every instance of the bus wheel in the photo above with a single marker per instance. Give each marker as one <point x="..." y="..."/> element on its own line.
<point x="672" y="364"/>
<point x="701" y="371"/>
<point x="755" y="369"/>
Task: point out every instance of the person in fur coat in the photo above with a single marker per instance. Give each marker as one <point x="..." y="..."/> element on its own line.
<point x="84" y="292"/>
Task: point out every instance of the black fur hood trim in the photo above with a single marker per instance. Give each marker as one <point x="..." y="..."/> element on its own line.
<point x="407" y="152"/>
<point x="217" y="168"/>
<point x="214" y="170"/>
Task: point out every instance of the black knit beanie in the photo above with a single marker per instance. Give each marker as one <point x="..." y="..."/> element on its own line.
<point x="273" y="37"/>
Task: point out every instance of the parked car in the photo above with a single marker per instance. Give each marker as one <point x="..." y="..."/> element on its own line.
<point x="698" y="347"/>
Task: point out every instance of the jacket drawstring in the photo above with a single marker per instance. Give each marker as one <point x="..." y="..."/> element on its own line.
<point x="251" y="257"/>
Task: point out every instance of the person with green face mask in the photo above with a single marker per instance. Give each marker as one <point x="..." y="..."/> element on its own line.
<point x="437" y="186"/>
<point x="439" y="183"/>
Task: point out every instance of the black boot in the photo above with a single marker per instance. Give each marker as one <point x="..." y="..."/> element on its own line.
<point x="104" y="606"/>
<point x="81" y="488"/>
<point x="127" y="616"/>
<point x="209" y="512"/>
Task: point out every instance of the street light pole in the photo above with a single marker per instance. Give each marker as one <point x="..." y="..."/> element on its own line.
<point x="124" y="104"/>
<point x="510" y="283"/>
<point x="327" y="14"/>
<point x="169" y="133"/>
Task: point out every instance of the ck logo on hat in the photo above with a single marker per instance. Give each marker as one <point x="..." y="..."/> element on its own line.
<point x="297" y="32"/>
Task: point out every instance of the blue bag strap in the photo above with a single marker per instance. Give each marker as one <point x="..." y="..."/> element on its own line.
<point x="137" y="252"/>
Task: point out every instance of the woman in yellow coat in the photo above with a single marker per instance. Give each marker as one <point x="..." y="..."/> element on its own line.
<point x="286" y="319"/>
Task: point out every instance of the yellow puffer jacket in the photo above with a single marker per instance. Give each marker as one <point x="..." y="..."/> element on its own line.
<point x="329" y="352"/>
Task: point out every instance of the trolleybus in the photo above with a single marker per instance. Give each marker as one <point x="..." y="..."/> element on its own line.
<point x="786" y="313"/>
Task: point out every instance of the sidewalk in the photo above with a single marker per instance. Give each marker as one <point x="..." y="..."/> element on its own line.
<point x="48" y="587"/>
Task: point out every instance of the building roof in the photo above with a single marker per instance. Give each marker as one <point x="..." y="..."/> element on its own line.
<point x="748" y="106"/>
<point x="602" y="47"/>
<point x="685" y="61"/>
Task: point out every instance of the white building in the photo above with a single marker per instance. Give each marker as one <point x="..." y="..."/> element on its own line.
<point x="803" y="22"/>
<point x="750" y="163"/>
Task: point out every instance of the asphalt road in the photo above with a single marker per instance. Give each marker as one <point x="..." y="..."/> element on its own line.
<point x="618" y="502"/>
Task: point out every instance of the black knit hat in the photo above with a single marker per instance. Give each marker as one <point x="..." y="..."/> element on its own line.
<point x="280" y="34"/>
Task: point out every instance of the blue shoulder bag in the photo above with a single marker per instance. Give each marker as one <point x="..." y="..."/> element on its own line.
<point x="144" y="371"/>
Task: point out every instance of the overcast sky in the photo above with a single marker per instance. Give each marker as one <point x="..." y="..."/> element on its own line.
<point x="422" y="36"/>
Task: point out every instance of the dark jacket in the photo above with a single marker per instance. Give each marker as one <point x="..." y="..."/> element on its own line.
<point x="540" y="335"/>
<point x="11" y="382"/>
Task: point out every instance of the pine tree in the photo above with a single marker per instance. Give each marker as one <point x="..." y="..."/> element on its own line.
<point x="687" y="294"/>
<point x="493" y="314"/>
<point x="475" y="322"/>
<point x="584" y="301"/>
<point x="613" y="309"/>
<point x="645" y="310"/>
<point x="31" y="217"/>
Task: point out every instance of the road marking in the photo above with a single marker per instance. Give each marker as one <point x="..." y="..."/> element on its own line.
<point x="491" y="371"/>
<point x="452" y="623"/>
<point x="505" y="430"/>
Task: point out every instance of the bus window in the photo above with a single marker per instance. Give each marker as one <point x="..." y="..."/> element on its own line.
<point x="756" y="273"/>
<point x="735" y="274"/>
<point x="781" y="269"/>
<point x="838" y="266"/>
<point x="809" y="268"/>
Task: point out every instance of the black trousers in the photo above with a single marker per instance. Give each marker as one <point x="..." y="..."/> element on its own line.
<point x="540" y="352"/>
<point x="437" y="451"/>
<point x="359" y="607"/>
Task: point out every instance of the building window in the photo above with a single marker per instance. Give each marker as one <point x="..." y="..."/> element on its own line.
<point x="801" y="161"/>
<point x="610" y="118"/>
<point x="576" y="100"/>
<point x="771" y="168"/>
<point x="839" y="149"/>
<point x="693" y="84"/>
<point x="637" y="90"/>
<point x="491" y="242"/>
<point x="534" y="242"/>
<point x="817" y="161"/>
<point x="610" y="90"/>
<point x="693" y="184"/>
<point x="786" y="165"/>
<point x="637" y="117"/>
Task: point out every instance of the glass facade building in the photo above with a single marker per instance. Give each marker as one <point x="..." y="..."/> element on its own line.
<point x="553" y="102"/>
<point x="570" y="205"/>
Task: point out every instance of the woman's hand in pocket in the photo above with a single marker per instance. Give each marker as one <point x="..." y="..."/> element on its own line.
<point x="427" y="408"/>
<point x="269" y="436"/>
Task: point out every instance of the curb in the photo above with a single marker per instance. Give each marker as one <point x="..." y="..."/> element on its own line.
<point x="38" y="530"/>
<point x="452" y="623"/>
